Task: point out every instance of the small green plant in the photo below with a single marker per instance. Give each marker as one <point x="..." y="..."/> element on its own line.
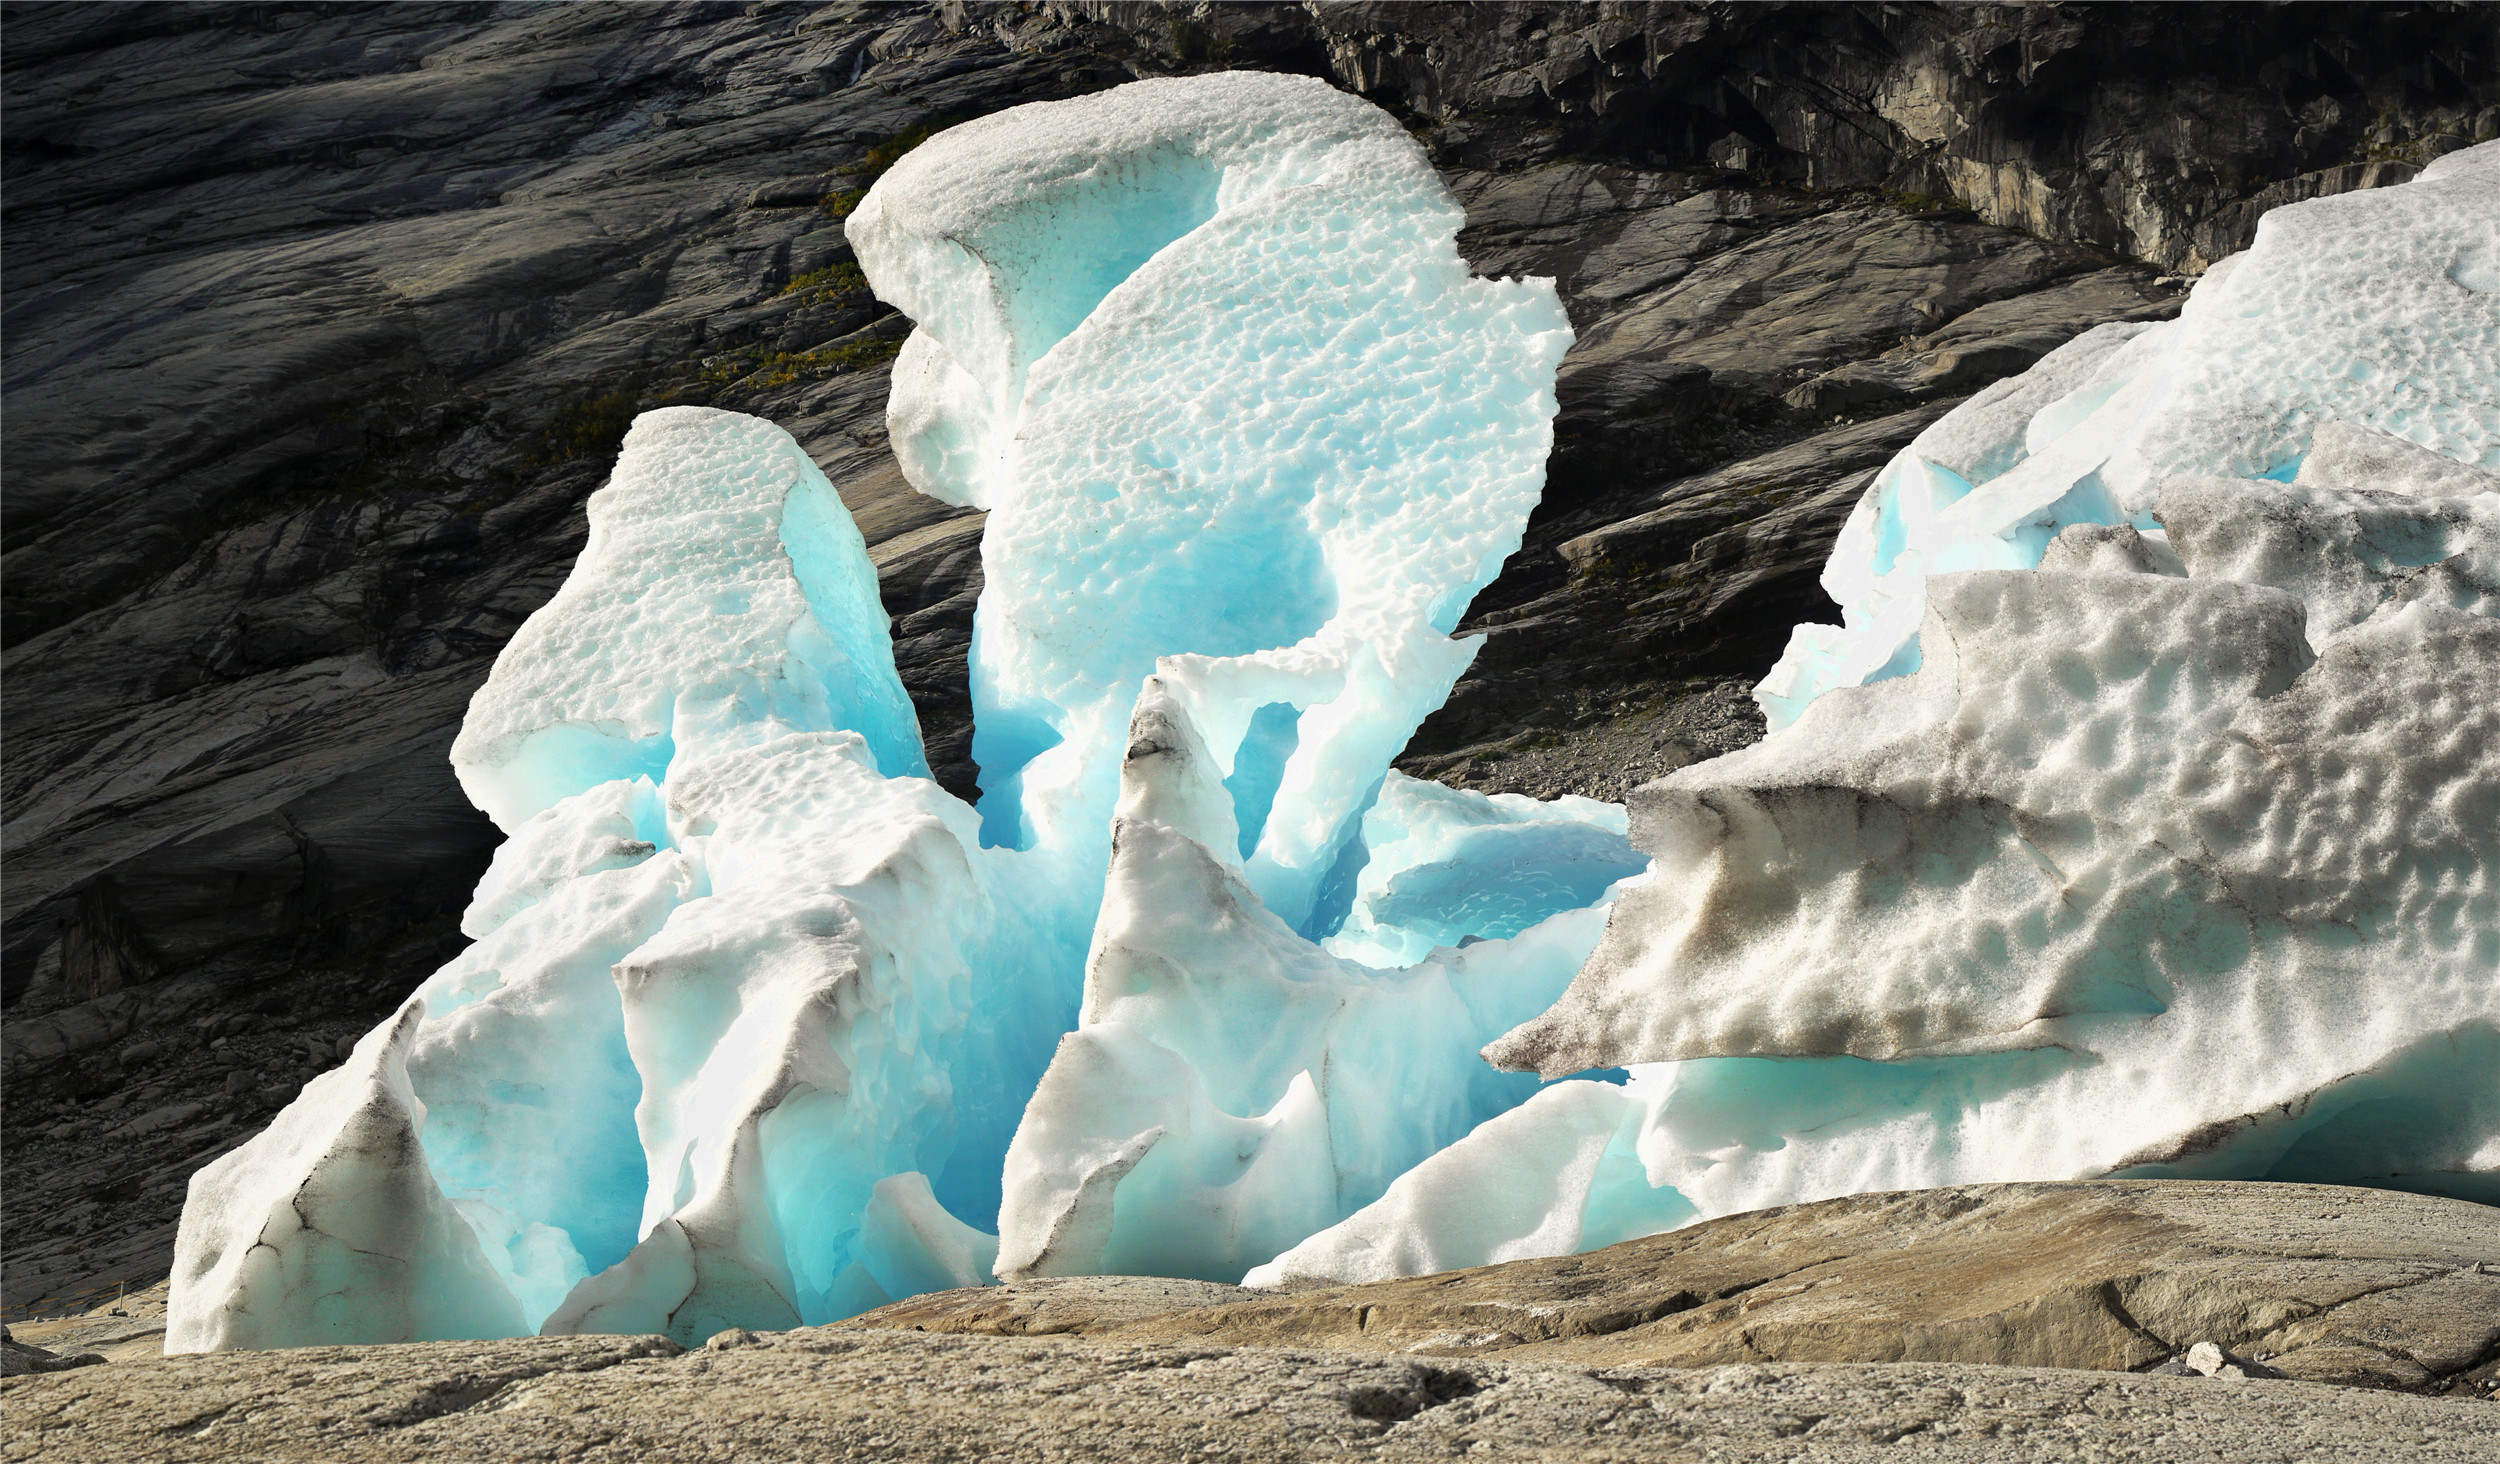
<point x="1910" y="202"/>
<point x="826" y="285"/>
<point x="586" y="427"/>
<point x="889" y="152"/>
<point x="764" y="370"/>
<point x="862" y="354"/>
<point x="1195" y="45"/>
<point x="839" y="203"/>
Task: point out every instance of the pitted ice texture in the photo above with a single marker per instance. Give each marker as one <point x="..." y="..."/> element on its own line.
<point x="724" y="588"/>
<point x="1207" y="351"/>
<point x="2375" y="312"/>
<point x="755" y="1010"/>
<point x="2176" y="855"/>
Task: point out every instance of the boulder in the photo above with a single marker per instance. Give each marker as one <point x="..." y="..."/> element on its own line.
<point x="18" y="1359"/>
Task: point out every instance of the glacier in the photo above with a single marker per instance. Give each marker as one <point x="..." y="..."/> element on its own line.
<point x="755" y="1009"/>
<point x="2140" y="817"/>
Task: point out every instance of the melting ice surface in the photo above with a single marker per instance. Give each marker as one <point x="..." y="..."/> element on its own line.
<point x="2141" y="817"/>
<point x="755" y="1010"/>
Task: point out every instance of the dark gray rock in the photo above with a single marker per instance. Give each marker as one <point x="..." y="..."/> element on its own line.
<point x="18" y="1359"/>
<point x="322" y="321"/>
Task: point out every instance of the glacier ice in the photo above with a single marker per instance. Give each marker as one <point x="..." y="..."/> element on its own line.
<point x="1449" y="868"/>
<point x="2142" y="816"/>
<point x="1231" y="1087"/>
<point x="755" y="1008"/>
<point x="707" y="1012"/>
<point x="2348" y="312"/>
<point x="1306" y="547"/>
<point x="719" y="596"/>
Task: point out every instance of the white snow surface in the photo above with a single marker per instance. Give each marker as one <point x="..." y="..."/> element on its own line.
<point x="724" y="591"/>
<point x="2377" y="311"/>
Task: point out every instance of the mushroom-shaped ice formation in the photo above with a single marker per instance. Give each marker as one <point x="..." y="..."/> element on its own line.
<point x="755" y="1008"/>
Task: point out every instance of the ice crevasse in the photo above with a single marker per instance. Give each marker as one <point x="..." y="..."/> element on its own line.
<point x="2161" y="841"/>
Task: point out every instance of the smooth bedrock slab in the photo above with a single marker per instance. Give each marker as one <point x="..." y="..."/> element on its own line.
<point x="827" y="1394"/>
<point x="2331" y="1284"/>
<point x="1877" y="1326"/>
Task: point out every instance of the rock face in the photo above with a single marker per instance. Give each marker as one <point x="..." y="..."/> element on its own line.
<point x="825" y="1394"/>
<point x="323" y="321"/>
<point x="2360" y="1287"/>
<point x="1972" y="1319"/>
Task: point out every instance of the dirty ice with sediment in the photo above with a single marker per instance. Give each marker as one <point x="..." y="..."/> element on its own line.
<point x="2141" y="816"/>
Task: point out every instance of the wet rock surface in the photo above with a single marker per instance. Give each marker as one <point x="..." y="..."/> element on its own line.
<point x="324" y="320"/>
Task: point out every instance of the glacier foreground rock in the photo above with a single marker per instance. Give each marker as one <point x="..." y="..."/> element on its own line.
<point x="755" y="1008"/>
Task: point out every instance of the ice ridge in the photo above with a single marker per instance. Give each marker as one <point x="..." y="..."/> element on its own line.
<point x="2142" y="818"/>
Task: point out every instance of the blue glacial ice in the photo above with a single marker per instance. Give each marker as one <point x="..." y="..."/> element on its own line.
<point x="1231" y="1087"/>
<point x="755" y="1009"/>
<point x="2141" y="817"/>
<point x="2351" y="311"/>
